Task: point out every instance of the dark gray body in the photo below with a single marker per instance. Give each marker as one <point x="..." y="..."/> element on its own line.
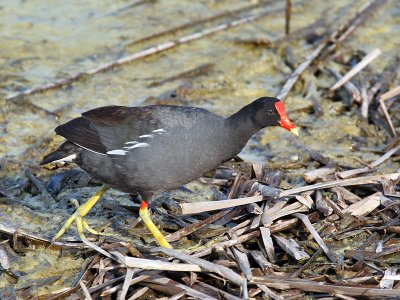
<point x="174" y="145"/>
<point x="172" y="158"/>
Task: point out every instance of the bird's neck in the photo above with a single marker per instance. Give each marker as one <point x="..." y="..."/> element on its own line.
<point x="241" y="127"/>
<point x="242" y="123"/>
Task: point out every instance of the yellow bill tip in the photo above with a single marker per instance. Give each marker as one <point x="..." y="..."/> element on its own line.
<point x="295" y="131"/>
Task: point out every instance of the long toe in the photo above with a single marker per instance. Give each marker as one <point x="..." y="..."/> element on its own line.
<point x="80" y="213"/>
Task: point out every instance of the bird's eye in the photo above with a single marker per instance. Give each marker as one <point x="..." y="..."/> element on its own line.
<point x="270" y="112"/>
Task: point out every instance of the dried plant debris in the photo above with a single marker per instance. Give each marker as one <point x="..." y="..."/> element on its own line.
<point x="297" y="246"/>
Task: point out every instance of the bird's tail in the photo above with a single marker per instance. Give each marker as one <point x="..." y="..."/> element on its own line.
<point x="67" y="152"/>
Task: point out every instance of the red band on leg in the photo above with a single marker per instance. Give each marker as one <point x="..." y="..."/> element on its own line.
<point x="143" y="205"/>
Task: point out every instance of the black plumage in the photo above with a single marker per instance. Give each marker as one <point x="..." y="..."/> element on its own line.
<point x="156" y="148"/>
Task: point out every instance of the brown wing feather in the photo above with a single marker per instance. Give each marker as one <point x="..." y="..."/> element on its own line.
<point x="80" y="132"/>
<point x="111" y="127"/>
<point x="108" y="115"/>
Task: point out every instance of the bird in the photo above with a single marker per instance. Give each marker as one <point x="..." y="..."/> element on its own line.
<point x="152" y="149"/>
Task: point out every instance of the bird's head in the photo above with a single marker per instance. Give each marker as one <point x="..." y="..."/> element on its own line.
<point x="269" y="111"/>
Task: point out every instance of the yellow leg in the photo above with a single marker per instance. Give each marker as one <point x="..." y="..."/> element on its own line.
<point x="93" y="231"/>
<point x="146" y="218"/>
<point x="80" y="212"/>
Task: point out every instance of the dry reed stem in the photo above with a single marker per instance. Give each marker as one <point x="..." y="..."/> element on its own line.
<point x="389" y="94"/>
<point x="206" y="265"/>
<point x="357" y="68"/>
<point x="150" y="264"/>
<point x="284" y="283"/>
<point x="380" y="160"/>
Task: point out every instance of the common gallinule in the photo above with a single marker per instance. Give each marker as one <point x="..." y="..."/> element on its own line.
<point x="156" y="148"/>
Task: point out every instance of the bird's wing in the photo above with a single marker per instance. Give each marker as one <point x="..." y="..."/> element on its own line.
<point x="112" y="130"/>
<point x="80" y="132"/>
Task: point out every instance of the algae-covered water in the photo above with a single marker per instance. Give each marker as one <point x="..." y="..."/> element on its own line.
<point x="43" y="42"/>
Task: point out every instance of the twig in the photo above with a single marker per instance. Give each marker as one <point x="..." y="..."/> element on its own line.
<point x="390" y="94"/>
<point x="299" y="70"/>
<point x="291" y="247"/>
<point x="222" y="293"/>
<point x="39" y="240"/>
<point x="93" y="245"/>
<point x="126" y="284"/>
<point x="288" y="14"/>
<point x="140" y="292"/>
<point x="4" y="260"/>
<point x="335" y="207"/>
<point x="287" y="210"/>
<point x="6" y="194"/>
<point x="177" y="235"/>
<point x="312" y="176"/>
<point x="388" y="279"/>
<point x="260" y="259"/>
<point x="85" y="291"/>
<point x="382" y="85"/>
<point x="194" y="208"/>
<point x="344" y="194"/>
<point x="199" y="22"/>
<point x="303" y="32"/>
<point x="150" y="264"/>
<point x="357" y="68"/>
<point x="364" y="206"/>
<point x="316" y="236"/>
<point x="303" y="267"/>
<point x="241" y="239"/>
<point x="245" y="291"/>
<point x="268" y="243"/>
<point x="285" y="283"/>
<point x="257" y="218"/>
<point x="39" y="185"/>
<point x="305" y="199"/>
<point x="349" y="86"/>
<point x="359" y="17"/>
<point x="243" y="262"/>
<point x="344" y="182"/>
<point x="380" y="160"/>
<point x="271" y="294"/>
<point x="220" y="270"/>
<point x="365" y="102"/>
<point x="321" y="205"/>
<point x="169" y="286"/>
<point x="144" y="275"/>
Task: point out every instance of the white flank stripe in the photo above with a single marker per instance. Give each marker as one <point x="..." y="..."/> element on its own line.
<point x="146" y="136"/>
<point x="160" y="131"/>
<point x="129" y="148"/>
<point x="139" y="145"/>
<point x="136" y="146"/>
<point x="89" y="149"/>
<point x="132" y="142"/>
<point x="68" y="158"/>
<point x="117" y="152"/>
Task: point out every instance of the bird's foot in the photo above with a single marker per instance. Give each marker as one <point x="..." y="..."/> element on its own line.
<point x="146" y="218"/>
<point x="80" y="213"/>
